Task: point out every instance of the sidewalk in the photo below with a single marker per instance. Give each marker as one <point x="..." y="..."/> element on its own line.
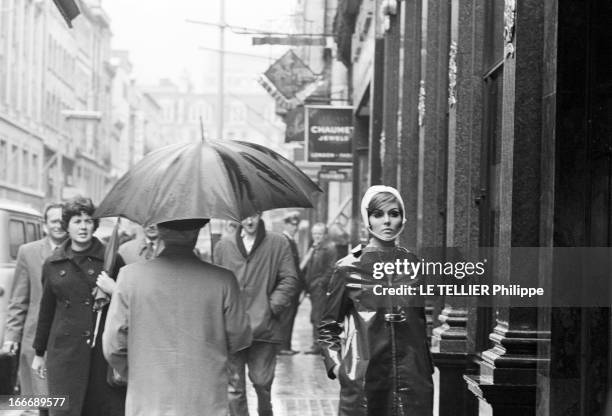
<point x="301" y="387"/>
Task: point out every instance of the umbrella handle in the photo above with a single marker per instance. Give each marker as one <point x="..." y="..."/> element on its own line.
<point x="96" y="329"/>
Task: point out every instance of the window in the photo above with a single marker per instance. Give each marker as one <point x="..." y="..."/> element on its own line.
<point x="16" y="237"/>
<point x="25" y="168"/>
<point x="35" y="172"/>
<point x="31" y="232"/>
<point x="3" y="161"/>
<point x="14" y="165"/>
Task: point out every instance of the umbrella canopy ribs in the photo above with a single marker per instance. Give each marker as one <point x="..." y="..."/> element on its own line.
<point x="208" y="179"/>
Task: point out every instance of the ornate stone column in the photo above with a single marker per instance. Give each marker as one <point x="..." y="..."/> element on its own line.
<point x="459" y="54"/>
<point x="507" y="374"/>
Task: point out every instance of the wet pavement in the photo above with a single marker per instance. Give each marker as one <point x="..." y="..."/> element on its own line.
<point x="301" y="387"/>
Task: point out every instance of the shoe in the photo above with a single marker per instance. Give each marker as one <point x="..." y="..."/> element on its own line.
<point x="287" y="352"/>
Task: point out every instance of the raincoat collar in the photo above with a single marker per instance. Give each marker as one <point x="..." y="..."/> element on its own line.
<point x="259" y="236"/>
<point x="64" y="252"/>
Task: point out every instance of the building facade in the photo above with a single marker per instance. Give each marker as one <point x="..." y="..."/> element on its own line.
<point x="189" y="114"/>
<point x="493" y="121"/>
<point x="55" y="100"/>
<point x="135" y="117"/>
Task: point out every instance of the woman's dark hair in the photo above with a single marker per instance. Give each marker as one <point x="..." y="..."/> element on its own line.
<point x="77" y="206"/>
<point x="381" y="199"/>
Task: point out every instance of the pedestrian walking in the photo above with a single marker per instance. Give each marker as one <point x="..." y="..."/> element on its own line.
<point x="146" y="247"/>
<point x="22" y="314"/>
<point x="265" y="269"/>
<point x="383" y="364"/>
<point x="291" y="222"/>
<point x="173" y="321"/>
<point x="317" y="266"/>
<point x="66" y="319"/>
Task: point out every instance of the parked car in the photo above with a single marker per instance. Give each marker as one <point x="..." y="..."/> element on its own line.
<point x="19" y="224"/>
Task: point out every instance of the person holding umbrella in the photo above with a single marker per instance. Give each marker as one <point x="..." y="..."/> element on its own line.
<point x="72" y="275"/>
<point x="172" y="322"/>
<point x="377" y="345"/>
<point x="231" y="180"/>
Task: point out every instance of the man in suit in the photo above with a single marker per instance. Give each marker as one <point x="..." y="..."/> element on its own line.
<point x="145" y="248"/>
<point x="25" y="298"/>
<point x="318" y="265"/>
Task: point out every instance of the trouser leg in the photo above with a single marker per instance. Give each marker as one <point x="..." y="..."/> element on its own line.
<point x="317" y="300"/>
<point x="262" y="363"/>
<point x="286" y="323"/>
<point x="236" y="390"/>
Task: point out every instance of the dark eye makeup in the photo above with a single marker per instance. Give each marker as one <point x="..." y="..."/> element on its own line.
<point x="378" y="213"/>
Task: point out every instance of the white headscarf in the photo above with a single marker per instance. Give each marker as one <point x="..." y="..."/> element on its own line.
<point x="365" y="201"/>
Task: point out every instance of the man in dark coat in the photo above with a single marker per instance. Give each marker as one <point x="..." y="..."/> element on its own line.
<point x="172" y="323"/>
<point x="25" y="299"/>
<point x="318" y="265"/>
<point x="266" y="274"/>
<point x="291" y="220"/>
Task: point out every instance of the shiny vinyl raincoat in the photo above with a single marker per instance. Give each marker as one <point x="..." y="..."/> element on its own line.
<point x="355" y="335"/>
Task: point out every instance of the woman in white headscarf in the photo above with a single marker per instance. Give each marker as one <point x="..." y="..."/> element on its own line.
<point x="373" y="342"/>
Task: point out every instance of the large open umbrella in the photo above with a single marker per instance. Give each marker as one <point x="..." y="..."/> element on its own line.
<point x="208" y="179"/>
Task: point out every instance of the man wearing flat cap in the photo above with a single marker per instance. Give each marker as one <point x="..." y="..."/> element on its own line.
<point x="172" y="323"/>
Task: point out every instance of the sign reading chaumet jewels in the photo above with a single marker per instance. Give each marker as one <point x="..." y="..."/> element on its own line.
<point x="329" y="134"/>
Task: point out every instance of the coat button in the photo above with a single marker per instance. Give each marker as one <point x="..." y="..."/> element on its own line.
<point x="90" y="272"/>
<point x="86" y="302"/>
<point x="87" y="333"/>
<point x="62" y="272"/>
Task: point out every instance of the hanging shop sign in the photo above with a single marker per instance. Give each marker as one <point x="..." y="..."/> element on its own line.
<point x="290" y="75"/>
<point x="328" y="134"/>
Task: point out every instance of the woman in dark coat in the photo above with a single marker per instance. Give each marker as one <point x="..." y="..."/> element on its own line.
<point x="376" y="345"/>
<point x="66" y="320"/>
